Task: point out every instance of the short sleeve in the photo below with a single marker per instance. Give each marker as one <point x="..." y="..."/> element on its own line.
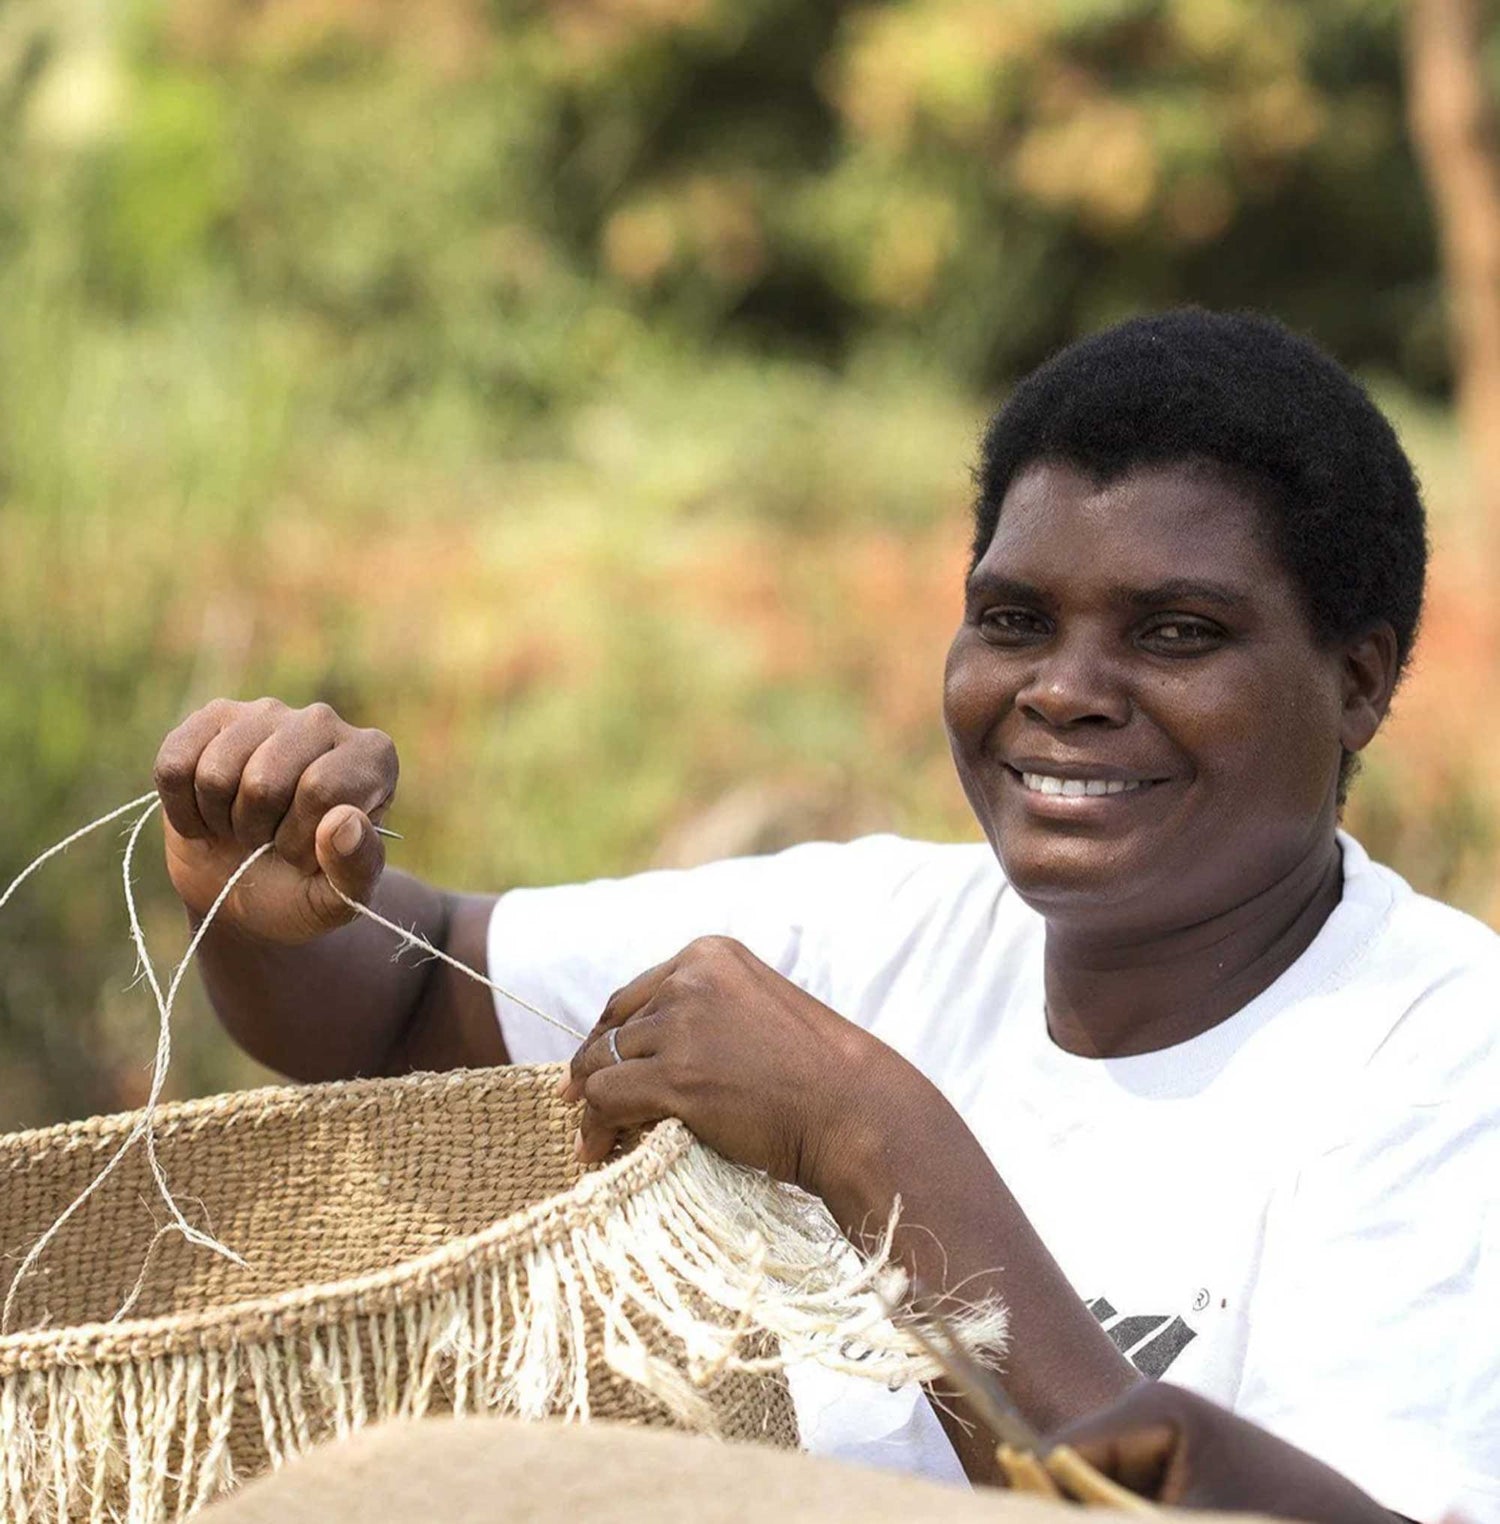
<point x="565" y="950"/>
<point x="1374" y="1337"/>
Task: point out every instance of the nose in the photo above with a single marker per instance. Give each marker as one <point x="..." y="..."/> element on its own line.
<point x="1074" y="684"/>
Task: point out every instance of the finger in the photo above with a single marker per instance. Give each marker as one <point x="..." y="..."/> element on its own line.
<point x="351" y="856"/>
<point x="637" y="1038"/>
<point x="354" y="772"/>
<point x="269" y="778"/>
<point x="217" y="780"/>
<point x="628" y="1094"/>
<point x="627" y="1001"/>
<point x="631" y="999"/>
<point x="177" y="765"/>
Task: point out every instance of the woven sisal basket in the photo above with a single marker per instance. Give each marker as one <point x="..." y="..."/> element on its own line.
<point x="411" y="1245"/>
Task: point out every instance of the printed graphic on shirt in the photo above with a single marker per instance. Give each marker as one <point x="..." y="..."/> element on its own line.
<point x="1150" y="1341"/>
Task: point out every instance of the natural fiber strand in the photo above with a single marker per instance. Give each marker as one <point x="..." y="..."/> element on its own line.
<point x="412" y="939"/>
<point x="163" y="1059"/>
<point x="68" y="841"/>
<point x="142" y="1128"/>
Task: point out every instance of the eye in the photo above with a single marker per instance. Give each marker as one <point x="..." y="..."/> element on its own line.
<point x="1181" y="635"/>
<point x="1012" y="626"/>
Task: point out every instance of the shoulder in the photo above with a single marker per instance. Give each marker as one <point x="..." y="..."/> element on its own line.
<point x="930" y="866"/>
<point x="1416" y="927"/>
<point x="1420" y="999"/>
<point x="941" y="897"/>
<point x="812" y="894"/>
<point x="882" y="870"/>
<point x="1443" y="969"/>
<point x="1439" y="935"/>
<point x="900" y="857"/>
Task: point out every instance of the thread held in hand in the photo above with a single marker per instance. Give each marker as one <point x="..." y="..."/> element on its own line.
<point x="165" y="1000"/>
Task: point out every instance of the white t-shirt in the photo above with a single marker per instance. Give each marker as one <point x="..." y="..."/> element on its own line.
<point x="1288" y="1214"/>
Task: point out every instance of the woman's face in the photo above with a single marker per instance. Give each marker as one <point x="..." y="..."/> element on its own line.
<point x="1141" y="717"/>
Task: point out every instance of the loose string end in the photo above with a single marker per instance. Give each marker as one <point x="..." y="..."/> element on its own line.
<point x="165" y="1000"/>
<point x="164" y="1004"/>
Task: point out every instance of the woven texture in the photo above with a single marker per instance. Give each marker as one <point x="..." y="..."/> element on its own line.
<point x="413" y="1245"/>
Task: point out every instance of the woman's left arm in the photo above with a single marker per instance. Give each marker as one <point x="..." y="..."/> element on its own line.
<point x="768" y="1076"/>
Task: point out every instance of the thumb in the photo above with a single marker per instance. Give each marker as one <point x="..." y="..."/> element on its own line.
<point x="350" y="853"/>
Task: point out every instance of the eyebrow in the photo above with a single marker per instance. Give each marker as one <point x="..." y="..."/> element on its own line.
<point x="985" y="584"/>
<point x="1182" y="590"/>
<point x="1176" y="590"/>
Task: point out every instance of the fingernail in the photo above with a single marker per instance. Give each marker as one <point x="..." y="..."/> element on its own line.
<point x="348" y="836"/>
<point x="578" y="1144"/>
<point x="564" y="1085"/>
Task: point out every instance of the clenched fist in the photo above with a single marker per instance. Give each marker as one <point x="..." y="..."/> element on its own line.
<point x="234" y="776"/>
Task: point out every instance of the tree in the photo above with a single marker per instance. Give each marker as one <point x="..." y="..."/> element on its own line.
<point x="1457" y="134"/>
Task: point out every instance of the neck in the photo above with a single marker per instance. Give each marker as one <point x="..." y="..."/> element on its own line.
<point x="1110" y="995"/>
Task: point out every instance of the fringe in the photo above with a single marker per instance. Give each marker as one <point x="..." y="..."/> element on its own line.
<point x="705" y="1271"/>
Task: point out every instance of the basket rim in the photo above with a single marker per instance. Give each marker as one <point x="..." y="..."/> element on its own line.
<point x="262" y="1319"/>
<point x="252" y="1104"/>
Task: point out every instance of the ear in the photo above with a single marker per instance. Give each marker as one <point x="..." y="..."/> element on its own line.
<point x="1369" y="679"/>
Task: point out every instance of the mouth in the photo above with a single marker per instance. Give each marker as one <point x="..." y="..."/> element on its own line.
<point x="1095" y="783"/>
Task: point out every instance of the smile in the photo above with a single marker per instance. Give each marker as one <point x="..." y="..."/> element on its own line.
<point x="1086" y="783"/>
<point x="1077" y="788"/>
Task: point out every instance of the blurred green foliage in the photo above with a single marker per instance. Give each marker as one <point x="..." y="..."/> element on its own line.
<point x="584" y="390"/>
<point x="495" y="199"/>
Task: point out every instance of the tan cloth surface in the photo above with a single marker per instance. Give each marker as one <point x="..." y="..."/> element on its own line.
<point x="499" y="1471"/>
<point x="464" y="1471"/>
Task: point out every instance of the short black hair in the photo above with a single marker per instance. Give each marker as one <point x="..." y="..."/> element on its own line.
<point x="1241" y="395"/>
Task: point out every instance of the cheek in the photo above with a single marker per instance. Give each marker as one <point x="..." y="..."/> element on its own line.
<point x="1270" y="733"/>
<point x="973" y="697"/>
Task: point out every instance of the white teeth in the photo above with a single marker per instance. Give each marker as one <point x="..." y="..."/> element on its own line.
<point x="1073" y="788"/>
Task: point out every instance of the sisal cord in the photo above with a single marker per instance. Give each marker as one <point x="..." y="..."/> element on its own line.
<point x="164" y="1006"/>
<point x="165" y="1003"/>
<point x="413" y="940"/>
<point x="68" y="841"/>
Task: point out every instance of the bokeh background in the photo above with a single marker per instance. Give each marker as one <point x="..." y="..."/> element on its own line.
<point x="584" y="391"/>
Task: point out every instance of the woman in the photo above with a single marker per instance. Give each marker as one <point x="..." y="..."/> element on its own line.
<point x="1171" y="1066"/>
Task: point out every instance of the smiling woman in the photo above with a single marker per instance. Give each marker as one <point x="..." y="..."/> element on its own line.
<point x="1169" y="1065"/>
<point x="1176" y="664"/>
<point x="1175" y="659"/>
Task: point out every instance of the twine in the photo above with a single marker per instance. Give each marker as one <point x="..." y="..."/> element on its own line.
<point x="165" y="1004"/>
<point x="411" y="938"/>
<point x="68" y="841"/>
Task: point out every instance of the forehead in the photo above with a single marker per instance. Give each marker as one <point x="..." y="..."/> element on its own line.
<point x="1149" y="524"/>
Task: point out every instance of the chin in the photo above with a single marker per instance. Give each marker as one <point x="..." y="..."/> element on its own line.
<point x="1069" y="875"/>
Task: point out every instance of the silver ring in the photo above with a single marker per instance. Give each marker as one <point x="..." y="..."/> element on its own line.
<point x="614" y="1047"/>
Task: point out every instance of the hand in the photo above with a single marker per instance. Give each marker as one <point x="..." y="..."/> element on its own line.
<point x="234" y="776"/>
<point x="1174" y="1447"/>
<point x="756" y="1068"/>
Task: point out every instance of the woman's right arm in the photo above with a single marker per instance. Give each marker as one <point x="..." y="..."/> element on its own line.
<point x="296" y="979"/>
